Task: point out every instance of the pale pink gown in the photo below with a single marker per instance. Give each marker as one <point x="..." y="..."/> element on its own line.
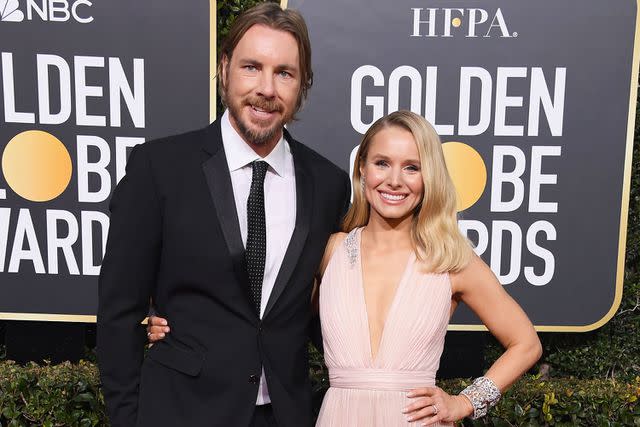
<point x="372" y="392"/>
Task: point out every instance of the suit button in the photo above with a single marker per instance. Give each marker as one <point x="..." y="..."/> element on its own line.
<point x="254" y="379"/>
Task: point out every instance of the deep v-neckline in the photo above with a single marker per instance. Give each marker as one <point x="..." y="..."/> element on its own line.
<point x="390" y="311"/>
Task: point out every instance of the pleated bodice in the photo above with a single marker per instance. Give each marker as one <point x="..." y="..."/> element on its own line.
<point x="367" y="391"/>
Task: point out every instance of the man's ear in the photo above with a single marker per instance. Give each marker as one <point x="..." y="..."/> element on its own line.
<point x="224" y="64"/>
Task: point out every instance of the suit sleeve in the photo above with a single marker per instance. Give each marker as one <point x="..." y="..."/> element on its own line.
<point x="127" y="278"/>
<point x="345" y="200"/>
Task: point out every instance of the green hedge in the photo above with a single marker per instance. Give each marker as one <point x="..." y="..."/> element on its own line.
<point x="563" y="402"/>
<point x="69" y="395"/>
<point x="62" y="395"/>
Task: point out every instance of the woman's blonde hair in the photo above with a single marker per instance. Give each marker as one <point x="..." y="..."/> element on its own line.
<point x="437" y="240"/>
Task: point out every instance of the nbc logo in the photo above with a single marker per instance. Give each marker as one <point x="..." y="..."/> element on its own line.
<point x="47" y="10"/>
<point x="9" y="11"/>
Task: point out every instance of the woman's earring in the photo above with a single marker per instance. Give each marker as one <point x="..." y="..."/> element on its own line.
<point x="362" y="182"/>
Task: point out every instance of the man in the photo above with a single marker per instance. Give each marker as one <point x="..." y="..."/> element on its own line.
<point x="223" y="228"/>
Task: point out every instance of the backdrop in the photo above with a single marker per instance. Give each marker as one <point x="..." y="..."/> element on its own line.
<point x="83" y="82"/>
<point x="534" y="101"/>
<point x="535" y="105"/>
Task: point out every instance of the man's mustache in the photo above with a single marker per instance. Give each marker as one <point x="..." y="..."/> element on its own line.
<point x="265" y="104"/>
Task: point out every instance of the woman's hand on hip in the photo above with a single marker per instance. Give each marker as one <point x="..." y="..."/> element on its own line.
<point x="431" y="405"/>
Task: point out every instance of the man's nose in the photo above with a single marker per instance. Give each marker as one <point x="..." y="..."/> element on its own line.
<point x="266" y="86"/>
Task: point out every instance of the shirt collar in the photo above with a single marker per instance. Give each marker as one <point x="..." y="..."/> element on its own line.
<point x="239" y="154"/>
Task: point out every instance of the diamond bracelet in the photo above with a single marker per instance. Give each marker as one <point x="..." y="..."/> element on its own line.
<point x="483" y="395"/>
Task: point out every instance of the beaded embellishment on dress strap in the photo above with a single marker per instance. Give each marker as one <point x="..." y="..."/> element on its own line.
<point x="351" y="244"/>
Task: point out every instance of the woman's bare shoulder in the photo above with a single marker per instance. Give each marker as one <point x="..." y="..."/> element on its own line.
<point x="476" y="274"/>
<point x="334" y="240"/>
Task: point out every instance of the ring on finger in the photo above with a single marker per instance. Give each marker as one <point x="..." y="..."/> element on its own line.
<point x="435" y="409"/>
<point x="148" y="334"/>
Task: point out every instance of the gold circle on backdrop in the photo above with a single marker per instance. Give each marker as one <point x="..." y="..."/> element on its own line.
<point x="468" y="172"/>
<point x="36" y="165"/>
<point x="456" y="22"/>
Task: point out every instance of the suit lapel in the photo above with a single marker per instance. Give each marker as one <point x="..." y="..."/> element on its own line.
<point x="304" y="207"/>
<point x="216" y="172"/>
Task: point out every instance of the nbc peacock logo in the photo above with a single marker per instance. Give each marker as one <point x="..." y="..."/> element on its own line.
<point x="9" y="11"/>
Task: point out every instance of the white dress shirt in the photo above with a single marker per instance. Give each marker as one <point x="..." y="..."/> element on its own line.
<point x="279" y="206"/>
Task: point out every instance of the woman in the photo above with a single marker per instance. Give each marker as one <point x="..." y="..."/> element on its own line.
<point x="390" y="282"/>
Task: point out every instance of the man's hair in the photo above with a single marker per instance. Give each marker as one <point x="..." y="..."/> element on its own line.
<point x="272" y="16"/>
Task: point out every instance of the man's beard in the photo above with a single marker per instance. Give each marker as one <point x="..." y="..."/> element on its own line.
<point x="256" y="134"/>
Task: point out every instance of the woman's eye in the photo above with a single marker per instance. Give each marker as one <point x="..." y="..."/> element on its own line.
<point x="413" y="168"/>
<point x="380" y="163"/>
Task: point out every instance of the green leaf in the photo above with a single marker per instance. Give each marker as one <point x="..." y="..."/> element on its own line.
<point x="84" y="397"/>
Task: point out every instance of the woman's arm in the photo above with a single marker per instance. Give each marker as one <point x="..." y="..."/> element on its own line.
<point x="334" y="240"/>
<point x="478" y="287"/>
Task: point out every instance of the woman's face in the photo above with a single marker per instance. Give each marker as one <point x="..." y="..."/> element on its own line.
<point x="393" y="183"/>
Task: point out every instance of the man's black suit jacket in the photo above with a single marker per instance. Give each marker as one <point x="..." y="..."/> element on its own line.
<point x="175" y="238"/>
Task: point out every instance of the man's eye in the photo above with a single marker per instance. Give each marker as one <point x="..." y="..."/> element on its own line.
<point x="250" y="67"/>
<point x="285" y="74"/>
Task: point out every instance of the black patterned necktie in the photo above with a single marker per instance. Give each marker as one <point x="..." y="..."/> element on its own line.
<point x="256" y="232"/>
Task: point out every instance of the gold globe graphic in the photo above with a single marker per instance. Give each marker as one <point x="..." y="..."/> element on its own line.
<point x="468" y="172"/>
<point x="36" y="165"/>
